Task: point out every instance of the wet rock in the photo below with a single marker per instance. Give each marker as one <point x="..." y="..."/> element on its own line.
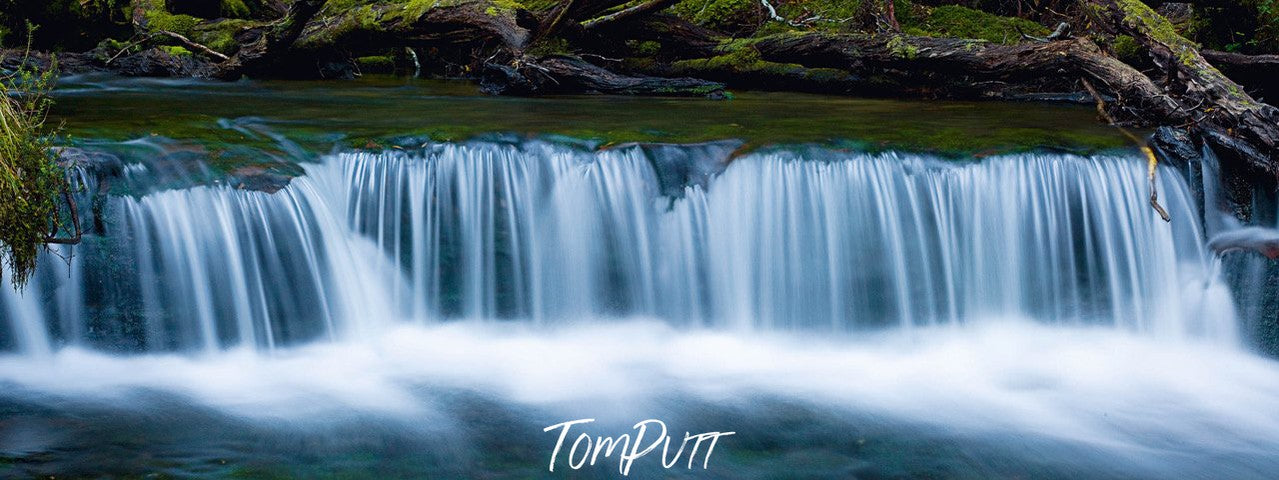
<point x="68" y="63"/>
<point x="680" y="166"/>
<point x="159" y="62"/>
<point x="97" y="164"/>
<point x="89" y="174"/>
<point x="259" y="179"/>
<point x="1177" y="146"/>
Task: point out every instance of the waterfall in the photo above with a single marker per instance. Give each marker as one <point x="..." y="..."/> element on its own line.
<point x="802" y="239"/>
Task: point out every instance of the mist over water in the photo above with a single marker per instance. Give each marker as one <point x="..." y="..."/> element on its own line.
<point x="1022" y="300"/>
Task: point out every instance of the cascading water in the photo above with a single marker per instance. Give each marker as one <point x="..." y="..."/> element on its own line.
<point x="419" y="305"/>
<point x="780" y="240"/>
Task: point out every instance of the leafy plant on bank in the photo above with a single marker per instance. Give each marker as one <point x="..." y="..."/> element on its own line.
<point x="30" y="180"/>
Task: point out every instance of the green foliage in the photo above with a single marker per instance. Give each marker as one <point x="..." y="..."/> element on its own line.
<point x="963" y="22"/>
<point x="65" y="24"/>
<point x="1267" y="37"/>
<point x="30" y="181"/>
<point x="1248" y="26"/>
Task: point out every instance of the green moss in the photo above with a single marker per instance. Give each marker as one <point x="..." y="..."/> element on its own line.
<point x="1127" y="49"/>
<point x="639" y="64"/>
<point x="352" y="19"/>
<point x="740" y="57"/>
<point x="376" y="64"/>
<point x="718" y="14"/>
<point x="156" y="17"/>
<point x="503" y="7"/>
<point x="1142" y="18"/>
<point x="176" y="51"/>
<point x="235" y="8"/>
<point x="540" y="5"/>
<point x="962" y="22"/>
<point x="902" y="47"/>
<point x="550" y="46"/>
<point x="220" y="35"/>
<point x="648" y="47"/>
<point x="827" y="15"/>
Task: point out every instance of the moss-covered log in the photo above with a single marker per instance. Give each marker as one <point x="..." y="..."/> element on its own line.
<point x="1135" y="58"/>
<point x="1239" y="127"/>
<point x="1259" y="74"/>
<point x="955" y="68"/>
<point x="564" y="74"/>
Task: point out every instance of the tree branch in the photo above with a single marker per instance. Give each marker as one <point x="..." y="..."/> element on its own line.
<point x="641" y="9"/>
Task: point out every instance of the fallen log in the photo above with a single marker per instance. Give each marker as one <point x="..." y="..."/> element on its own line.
<point x="272" y="43"/>
<point x="380" y="26"/>
<point x="1240" y="128"/>
<point x="632" y="12"/>
<point x="956" y="68"/>
<point x="1259" y="74"/>
<point x="564" y="74"/>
